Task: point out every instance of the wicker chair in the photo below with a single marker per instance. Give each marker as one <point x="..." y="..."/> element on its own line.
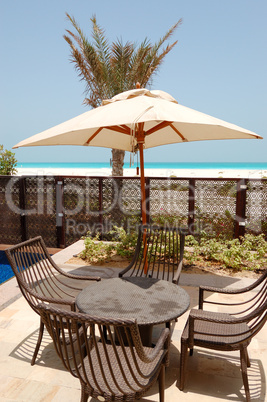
<point x="41" y="280"/>
<point x="116" y="368"/>
<point x="223" y="330"/>
<point x="159" y="253"/>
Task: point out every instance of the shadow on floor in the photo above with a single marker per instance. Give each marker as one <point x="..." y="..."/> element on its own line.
<point x="47" y="357"/>
<point x="219" y="376"/>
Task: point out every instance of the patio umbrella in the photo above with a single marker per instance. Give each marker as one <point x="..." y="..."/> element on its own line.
<point x="138" y="119"/>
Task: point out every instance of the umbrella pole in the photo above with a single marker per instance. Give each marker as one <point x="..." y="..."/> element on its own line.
<point x="143" y="200"/>
<point x="143" y="184"/>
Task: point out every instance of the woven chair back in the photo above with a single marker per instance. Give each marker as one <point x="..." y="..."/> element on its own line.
<point x="36" y="273"/>
<point x="159" y="253"/>
<point x="251" y="310"/>
<point x="106" y="355"/>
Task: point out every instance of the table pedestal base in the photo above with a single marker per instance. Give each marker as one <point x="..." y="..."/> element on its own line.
<point x="146" y="334"/>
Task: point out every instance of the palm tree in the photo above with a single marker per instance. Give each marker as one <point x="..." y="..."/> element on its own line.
<point x="110" y="69"/>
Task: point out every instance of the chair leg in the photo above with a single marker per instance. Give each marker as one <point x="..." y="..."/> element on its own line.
<point x="171" y="326"/>
<point x="243" y="360"/>
<point x="105" y="333"/>
<point x="40" y="336"/>
<point x="161" y="380"/>
<point x="247" y="357"/>
<point x="182" y="364"/>
<point x="84" y="394"/>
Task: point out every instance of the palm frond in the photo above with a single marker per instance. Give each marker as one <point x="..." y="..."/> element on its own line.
<point x="80" y="39"/>
<point x="88" y="64"/>
<point x="154" y="60"/>
<point x="168" y="34"/>
<point x="102" y="48"/>
<point x="78" y="59"/>
<point x="137" y="65"/>
<point x="120" y="65"/>
<point x="110" y="69"/>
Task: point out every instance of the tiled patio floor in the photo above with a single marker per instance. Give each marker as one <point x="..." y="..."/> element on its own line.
<point x="210" y="376"/>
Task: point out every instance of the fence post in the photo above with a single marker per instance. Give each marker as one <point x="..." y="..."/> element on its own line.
<point x="61" y="242"/>
<point x="22" y="206"/>
<point x="240" y="217"/>
<point x="100" y="202"/>
<point x="191" y="205"/>
<point x="147" y="192"/>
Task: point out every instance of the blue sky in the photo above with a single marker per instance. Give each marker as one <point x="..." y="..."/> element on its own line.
<point x="218" y="67"/>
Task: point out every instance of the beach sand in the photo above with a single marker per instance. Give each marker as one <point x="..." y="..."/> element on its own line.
<point x="131" y="172"/>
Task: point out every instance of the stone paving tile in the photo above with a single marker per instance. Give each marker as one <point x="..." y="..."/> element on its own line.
<point x="25" y="390"/>
<point x="211" y="375"/>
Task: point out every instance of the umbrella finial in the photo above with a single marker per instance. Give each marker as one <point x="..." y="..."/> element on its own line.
<point x="138" y="86"/>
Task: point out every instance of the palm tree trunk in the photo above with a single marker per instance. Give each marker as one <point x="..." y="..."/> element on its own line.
<point x="117" y="162"/>
<point x="117" y="170"/>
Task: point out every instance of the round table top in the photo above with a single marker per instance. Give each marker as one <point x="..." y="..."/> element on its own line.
<point x="149" y="301"/>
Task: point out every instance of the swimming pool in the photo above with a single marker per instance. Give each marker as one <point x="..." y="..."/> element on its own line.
<point x="5" y="269"/>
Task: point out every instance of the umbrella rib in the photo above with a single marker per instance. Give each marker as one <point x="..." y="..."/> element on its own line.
<point x="178" y="132"/>
<point x="162" y="125"/>
<point x="94" y="135"/>
<point x="159" y="126"/>
<point x="121" y="129"/>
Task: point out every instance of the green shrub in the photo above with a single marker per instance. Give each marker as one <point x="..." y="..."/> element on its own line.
<point x="95" y="251"/>
<point x="126" y="242"/>
<point x="8" y="162"/>
<point x="248" y="253"/>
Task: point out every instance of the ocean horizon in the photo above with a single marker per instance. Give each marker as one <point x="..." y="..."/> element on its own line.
<point x="148" y="165"/>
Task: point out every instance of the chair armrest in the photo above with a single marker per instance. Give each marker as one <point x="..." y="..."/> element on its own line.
<point x="177" y="274"/>
<point x="222" y="290"/>
<point x="221" y="318"/>
<point x="254" y="285"/>
<point x="54" y="302"/>
<point x="163" y="340"/>
<point x="211" y="316"/>
<point x="121" y="273"/>
<point x="135" y="256"/>
<point x="46" y="299"/>
<point x="72" y="276"/>
<point x="228" y="291"/>
<point x="82" y="277"/>
<point x="162" y="343"/>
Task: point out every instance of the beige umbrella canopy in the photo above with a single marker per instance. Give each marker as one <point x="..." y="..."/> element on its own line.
<point x="138" y="119"/>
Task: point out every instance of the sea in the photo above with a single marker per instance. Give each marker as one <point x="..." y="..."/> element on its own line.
<point x="148" y="165"/>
